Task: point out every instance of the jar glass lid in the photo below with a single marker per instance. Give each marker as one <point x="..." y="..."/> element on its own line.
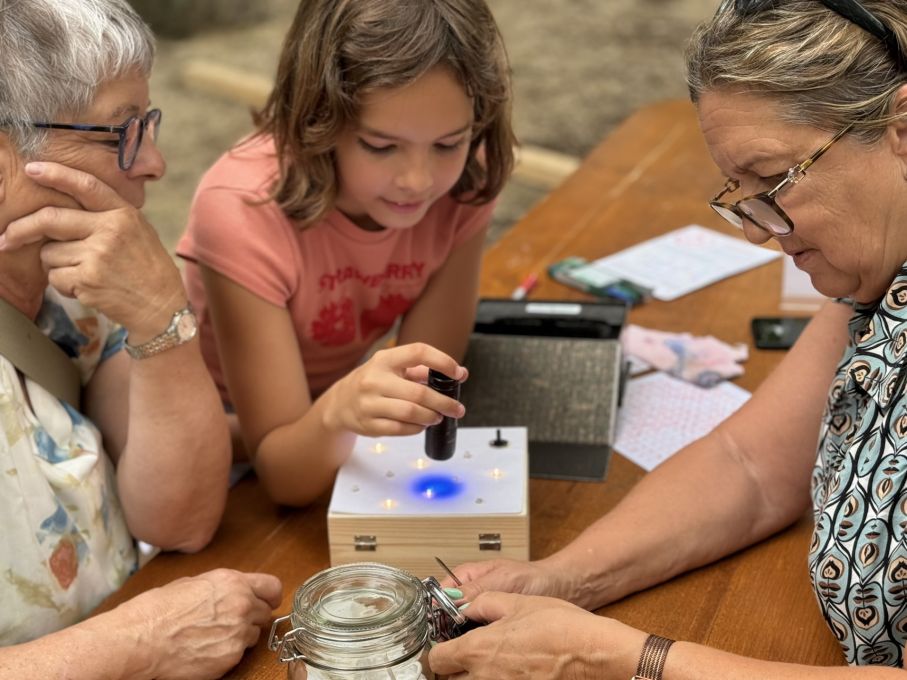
<point x="357" y="597"/>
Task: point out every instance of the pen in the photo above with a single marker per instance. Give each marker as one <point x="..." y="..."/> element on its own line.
<point x="525" y="287"/>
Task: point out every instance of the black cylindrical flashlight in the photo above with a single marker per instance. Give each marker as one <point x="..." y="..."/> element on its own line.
<point x="441" y="439"/>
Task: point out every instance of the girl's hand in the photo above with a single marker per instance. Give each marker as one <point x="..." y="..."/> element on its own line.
<point x="386" y="396"/>
<point x="199" y="627"/>
<point x="518" y="642"/>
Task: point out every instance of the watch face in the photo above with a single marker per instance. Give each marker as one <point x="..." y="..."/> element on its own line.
<point x="186" y="327"/>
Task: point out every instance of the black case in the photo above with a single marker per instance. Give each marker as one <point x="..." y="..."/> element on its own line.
<point x="555" y="368"/>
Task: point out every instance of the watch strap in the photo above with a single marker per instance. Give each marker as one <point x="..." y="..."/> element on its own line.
<point x="167" y="340"/>
<point x="652" y="659"/>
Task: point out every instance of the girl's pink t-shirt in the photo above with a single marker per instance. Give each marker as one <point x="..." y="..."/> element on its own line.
<point x="344" y="287"/>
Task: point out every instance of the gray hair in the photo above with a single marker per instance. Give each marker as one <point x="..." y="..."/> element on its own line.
<point x="821" y="69"/>
<point x="54" y="54"/>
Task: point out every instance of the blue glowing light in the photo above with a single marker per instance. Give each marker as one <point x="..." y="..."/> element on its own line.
<point x="437" y="487"/>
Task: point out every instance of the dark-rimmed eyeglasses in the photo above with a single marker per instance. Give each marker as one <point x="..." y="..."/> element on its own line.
<point x="131" y="133"/>
<point x="762" y="209"/>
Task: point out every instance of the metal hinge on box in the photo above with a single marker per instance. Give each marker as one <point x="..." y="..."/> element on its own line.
<point x="490" y="542"/>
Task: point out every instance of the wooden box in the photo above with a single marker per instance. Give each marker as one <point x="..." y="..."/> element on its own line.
<point x="392" y="504"/>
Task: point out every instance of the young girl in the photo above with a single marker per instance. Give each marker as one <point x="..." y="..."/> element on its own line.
<point x="363" y="199"/>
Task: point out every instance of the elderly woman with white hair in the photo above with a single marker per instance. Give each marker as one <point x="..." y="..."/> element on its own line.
<point x="113" y="432"/>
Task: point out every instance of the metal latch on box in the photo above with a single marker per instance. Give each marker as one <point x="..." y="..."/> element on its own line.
<point x="370" y="543"/>
<point x="365" y="543"/>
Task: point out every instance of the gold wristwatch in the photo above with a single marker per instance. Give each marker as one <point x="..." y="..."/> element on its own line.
<point x="183" y="327"/>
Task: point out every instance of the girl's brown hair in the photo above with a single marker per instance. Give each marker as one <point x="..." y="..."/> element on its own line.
<point x="338" y="50"/>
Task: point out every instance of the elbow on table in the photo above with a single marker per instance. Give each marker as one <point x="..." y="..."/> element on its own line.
<point x="180" y="521"/>
<point x="180" y="536"/>
<point x="195" y="542"/>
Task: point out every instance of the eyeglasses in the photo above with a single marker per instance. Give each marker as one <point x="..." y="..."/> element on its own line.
<point x="761" y="209"/>
<point x="131" y="133"/>
<point x="851" y="10"/>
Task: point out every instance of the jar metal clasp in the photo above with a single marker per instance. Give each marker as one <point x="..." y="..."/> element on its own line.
<point x="445" y="619"/>
<point x="279" y="644"/>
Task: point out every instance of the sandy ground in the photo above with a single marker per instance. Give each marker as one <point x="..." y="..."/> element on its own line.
<point x="579" y="68"/>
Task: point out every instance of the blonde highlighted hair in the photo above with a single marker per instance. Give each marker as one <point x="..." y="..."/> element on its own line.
<point x="336" y="51"/>
<point x="821" y="69"/>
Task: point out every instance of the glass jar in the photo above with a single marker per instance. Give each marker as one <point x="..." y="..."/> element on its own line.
<point x="365" y="621"/>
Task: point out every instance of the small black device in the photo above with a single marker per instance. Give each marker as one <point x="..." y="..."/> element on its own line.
<point x="441" y="439"/>
<point x="777" y="332"/>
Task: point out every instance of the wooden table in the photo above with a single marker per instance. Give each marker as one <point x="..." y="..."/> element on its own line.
<point x="651" y="175"/>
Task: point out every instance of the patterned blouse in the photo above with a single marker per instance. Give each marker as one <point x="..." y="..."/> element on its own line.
<point x="858" y="556"/>
<point x="64" y="544"/>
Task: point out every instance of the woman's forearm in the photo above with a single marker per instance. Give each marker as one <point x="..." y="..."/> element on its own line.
<point x="543" y="637"/>
<point x="697" y="507"/>
<point x="743" y="481"/>
<point x="101" y="648"/>
<point x="173" y="471"/>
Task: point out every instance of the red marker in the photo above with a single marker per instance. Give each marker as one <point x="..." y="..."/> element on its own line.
<point x="525" y="287"/>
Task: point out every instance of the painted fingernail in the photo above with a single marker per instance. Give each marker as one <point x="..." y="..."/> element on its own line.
<point x="454" y="593"/>
<point x="463" y="606"/>
<point x="34" y="168"/>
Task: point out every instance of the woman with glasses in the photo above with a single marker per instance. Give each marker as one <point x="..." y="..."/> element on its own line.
<point x="803" y="105"/>
<point x="124" y="439"/>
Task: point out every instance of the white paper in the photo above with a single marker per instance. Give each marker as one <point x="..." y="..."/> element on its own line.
<point x="660" y="415"/>
<point x="680" y="262"/>
<point x="392" y="476"/>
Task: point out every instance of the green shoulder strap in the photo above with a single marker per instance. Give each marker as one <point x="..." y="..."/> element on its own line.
<point x="37" y="356"/>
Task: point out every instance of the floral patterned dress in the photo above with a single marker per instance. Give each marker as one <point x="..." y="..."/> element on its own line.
<point x="64" y="544"/>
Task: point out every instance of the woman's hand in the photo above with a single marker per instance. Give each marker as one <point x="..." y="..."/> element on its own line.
<point x="538" y="637"/>
<point x="510" y="576"/>
<point x="199" y="627"/>
<point x="387" y="395"/>
<point x="102" y="251"/>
